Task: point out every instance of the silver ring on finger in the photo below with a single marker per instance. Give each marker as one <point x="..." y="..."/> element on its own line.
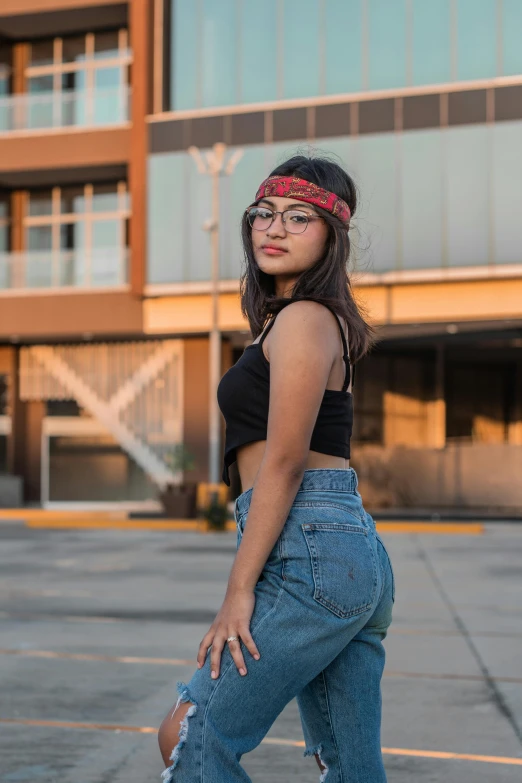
<point x="232" y="639"/>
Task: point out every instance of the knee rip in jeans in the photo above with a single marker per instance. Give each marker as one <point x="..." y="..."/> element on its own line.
<point x="317" y="753"/>
<point x="184" y="696"/>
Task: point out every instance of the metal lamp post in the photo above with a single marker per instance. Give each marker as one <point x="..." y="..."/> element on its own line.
<point x="214" y="164"/>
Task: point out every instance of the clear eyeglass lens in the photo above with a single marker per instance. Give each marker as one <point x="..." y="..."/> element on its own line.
<point x="261" y="218"/>
<point x="296" y="222"/>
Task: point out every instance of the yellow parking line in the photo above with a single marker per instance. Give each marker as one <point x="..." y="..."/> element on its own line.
<point x="52" y="520"/>
<point x="433" y="528"/>
<point x="427" y="754"/>
<point x="24" y="514"/>
<point x="439" y="754"/>
<point x="92" y="657"/>
<point x="119" y="524"/>
<point x="67" y="724"/>
<point x="54" y="655"/>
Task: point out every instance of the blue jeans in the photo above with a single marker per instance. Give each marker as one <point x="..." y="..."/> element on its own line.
<point x="323" y="606"/>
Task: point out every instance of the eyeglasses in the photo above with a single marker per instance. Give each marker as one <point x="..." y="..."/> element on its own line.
<point x="294" y="221"/>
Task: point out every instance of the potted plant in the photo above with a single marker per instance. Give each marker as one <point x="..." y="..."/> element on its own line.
<point x="215" y="513"/>
<point x="179" y="499"/>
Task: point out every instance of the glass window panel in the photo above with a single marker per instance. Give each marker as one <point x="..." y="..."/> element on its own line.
<point x="39" y="238"/>
<point x="73" y="98"/>
<point x="4" y="238"/>
<point x="41" y="202"/>
<point x="37" y="84"/>
<point x="387" y="44"/>
<point x="67" y="236"/>
<point x="511" y="37"/>
<point x="4" y="207"/>
<point x="108" y="97"/>
<point x="105" y="198"/>
<point x="41" y="53"/>
<point x="476" y="39"/>
<point x="219" y="53"/>
<point x="431" y="55"/>
<point x="106" y="44"/>
<point x="38" y="270"/>
<point x="343" y="46"/>
<point x="43" y="105"/>
<point x="6" y="109"/>
<point x="258" y="46"/>
<point x="375" y="228"/>
<point x="5" y="74"/>
<point x="105" y="78"/>
<point x="73" y="49"/>
<point x="72" y="200"/>
<point x="184" y="75"/>
<point x="166" y="218"/>
<point x="5" y="271"/>
<point x="74" y="80"/>
<point x="301" y="65"/>
<point x="421" y="155"/>
<point x="467" y="198"/>
<point x="106" y="233"/>
<point x="506" y="171"/>
<point x="196" y="264"/>
<point x="108" y="267"/>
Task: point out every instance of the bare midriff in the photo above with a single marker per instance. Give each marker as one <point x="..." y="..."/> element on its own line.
<point x="250" y="456"/>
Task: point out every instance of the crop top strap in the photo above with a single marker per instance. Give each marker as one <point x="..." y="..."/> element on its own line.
<point x="270" y="324"/>
<point x="346" y="356"/>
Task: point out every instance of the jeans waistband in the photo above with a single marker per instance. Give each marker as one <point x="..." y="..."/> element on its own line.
<point x="335" y="479"/>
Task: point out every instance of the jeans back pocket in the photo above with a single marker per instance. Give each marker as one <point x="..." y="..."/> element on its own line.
<point x="344" y="567"/>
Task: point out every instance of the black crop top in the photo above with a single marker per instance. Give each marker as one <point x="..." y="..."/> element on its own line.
<point x="243" y="394"/>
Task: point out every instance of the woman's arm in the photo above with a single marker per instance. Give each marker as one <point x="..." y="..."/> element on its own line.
<point x="302" y="351"/>
<point x="303" y="347"/>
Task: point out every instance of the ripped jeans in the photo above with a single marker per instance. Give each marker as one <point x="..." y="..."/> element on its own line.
<point x="323" y="606"/>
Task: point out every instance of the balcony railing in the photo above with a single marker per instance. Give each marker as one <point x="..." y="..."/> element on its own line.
<point x="69" y="108"/>
<point x="99" y="268"/>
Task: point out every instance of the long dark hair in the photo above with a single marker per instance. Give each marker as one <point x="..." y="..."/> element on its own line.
<point x="327" y="280"/>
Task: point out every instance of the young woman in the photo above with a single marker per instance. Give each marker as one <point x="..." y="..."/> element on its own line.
<point x="310" y="593"/>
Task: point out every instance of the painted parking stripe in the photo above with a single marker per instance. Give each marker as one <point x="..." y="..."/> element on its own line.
<point x="52" y="654"/>
<point x="426" y="754"/>
<point x="118" y="521"/>
<point x="93" y="657"/>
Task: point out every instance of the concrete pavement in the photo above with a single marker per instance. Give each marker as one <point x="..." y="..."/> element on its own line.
<point x="97" y="626"/>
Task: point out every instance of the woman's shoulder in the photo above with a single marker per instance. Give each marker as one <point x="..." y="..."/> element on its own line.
<point x="305" y="319"/>
<point x="300" y="308"/>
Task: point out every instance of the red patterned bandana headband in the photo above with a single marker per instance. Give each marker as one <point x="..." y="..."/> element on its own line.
<point x="293" y="187"/>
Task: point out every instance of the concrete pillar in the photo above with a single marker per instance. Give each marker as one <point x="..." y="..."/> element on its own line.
<point x="18" y="208"/>
<point x="19" y="62"/>
<point x="195" y="395"/>
<point x="437" y="405"/>
<point x="24" y="445"/>
<point x="140" y="25"/>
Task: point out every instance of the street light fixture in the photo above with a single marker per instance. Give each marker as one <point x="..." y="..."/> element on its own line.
<point x="213" y="163"/>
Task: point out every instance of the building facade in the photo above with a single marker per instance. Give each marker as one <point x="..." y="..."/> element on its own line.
<point x="105" y="294"/>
